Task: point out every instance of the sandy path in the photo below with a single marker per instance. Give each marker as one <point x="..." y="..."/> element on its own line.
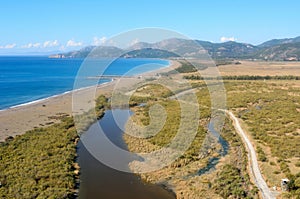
<point x="259" y="180"/>
<point x="255" y="171"/>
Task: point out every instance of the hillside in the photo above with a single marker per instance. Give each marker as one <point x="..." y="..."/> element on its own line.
<point x="275" y="42"/>
<point x="276" y="50"/>
<point x="285" y="51"/>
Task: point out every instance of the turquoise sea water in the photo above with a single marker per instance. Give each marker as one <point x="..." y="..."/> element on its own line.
<point x="27" y="79"/>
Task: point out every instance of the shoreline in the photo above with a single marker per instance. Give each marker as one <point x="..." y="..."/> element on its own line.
<point x="79" y="89"/>
<point x="50" y="97"/>
<point x="44" y="112"/>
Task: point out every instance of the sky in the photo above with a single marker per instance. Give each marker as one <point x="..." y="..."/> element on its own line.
<point x="61" y="25"/>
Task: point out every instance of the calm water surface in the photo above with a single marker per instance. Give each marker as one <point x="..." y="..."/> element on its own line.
<point x="28" y="79"/>
<point x="100" y="181"/>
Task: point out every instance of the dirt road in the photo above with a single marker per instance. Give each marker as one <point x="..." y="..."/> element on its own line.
<point x="259" y="180"/>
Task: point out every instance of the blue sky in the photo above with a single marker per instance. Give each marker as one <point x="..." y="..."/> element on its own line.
<point x="44" y="26"/>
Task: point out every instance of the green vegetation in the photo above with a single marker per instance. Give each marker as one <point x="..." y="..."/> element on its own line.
<point x="222" y="62"/>
<point x="150" y="53"/>
<point x="271" y="111"/>
<point x="294" y="186"/>
<point x="235" y="172"/>
<point x="261" y="154"/>
<point x="83" y="121"/>
<point x="41" y="162"/>
<point x="233" y="179"/>
<point x="185" y="67"/>
<point x="150" y="92"/>
<point x="230" y="183"/>
<point x="159" y="95"/>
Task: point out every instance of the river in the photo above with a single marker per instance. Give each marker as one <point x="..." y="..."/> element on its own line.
<point x="213" y="161"/>
<point x="102" y="182"/>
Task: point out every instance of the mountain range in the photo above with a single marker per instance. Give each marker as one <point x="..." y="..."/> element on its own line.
<point x="275" y="50"/>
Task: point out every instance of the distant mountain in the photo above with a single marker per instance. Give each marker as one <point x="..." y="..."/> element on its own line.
<point x="149" y="53"/>
<point x="281" y="52"/>
<point x="276" y="49"/>
<point x="276" y="42"/>
<point x="91" y="51"/>
<point x="140" y="45"/>
<point x="229" y="49"/>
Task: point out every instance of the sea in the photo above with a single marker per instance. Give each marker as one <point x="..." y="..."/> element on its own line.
<point x="25" y="80"/>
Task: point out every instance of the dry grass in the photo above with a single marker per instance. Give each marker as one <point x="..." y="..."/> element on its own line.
<point x="261" y="68"/>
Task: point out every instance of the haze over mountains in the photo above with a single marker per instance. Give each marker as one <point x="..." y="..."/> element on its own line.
<point x="275" y="50"/>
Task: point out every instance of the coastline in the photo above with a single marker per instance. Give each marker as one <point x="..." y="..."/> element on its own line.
<point x="18" y="119"/>
<point x="48" y="98"/>
<point x="21" y="118"/>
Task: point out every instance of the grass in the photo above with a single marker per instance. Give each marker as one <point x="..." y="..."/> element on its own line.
<point x="185" y="67"/>
<point x="270" y="110"/>
<point x="229" y="183"/>
<point x="261" y="68"/>
<point x="232" y="178"/>
<point x="40" y="163"/>
<point x="182" y="173"/>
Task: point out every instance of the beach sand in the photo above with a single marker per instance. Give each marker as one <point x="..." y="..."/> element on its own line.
<point x="18" y="120"/>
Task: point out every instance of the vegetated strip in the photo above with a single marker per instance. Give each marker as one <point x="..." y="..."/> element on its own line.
<point x="41" y="162"/>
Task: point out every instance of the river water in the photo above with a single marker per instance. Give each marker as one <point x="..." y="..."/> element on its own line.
<point x="102" y="182"/>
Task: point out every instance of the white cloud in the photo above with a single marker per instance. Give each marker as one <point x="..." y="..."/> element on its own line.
<point x="50" y="44"/>
<point x="46" y="44"/>
<point x="31" y="45"/>
<point x="99" y="41"/>
<point x="8" y="46"/>
<point x="72" y="43"/>
<point x="36" y="45"/>
<point x="224" y="39"/>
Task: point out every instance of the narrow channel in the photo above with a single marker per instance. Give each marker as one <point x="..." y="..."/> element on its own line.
<point x="100" y="181"/>
<point x="212" y="162"/>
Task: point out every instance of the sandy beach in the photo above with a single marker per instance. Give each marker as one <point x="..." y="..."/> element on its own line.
<point x="18" y="120"/>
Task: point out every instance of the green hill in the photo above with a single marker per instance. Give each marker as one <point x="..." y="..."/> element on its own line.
<point x="276" y="50"/>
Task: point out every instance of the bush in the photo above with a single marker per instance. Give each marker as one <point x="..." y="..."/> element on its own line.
<point x="230" y="183"/>
<point x="40" y="163"/>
